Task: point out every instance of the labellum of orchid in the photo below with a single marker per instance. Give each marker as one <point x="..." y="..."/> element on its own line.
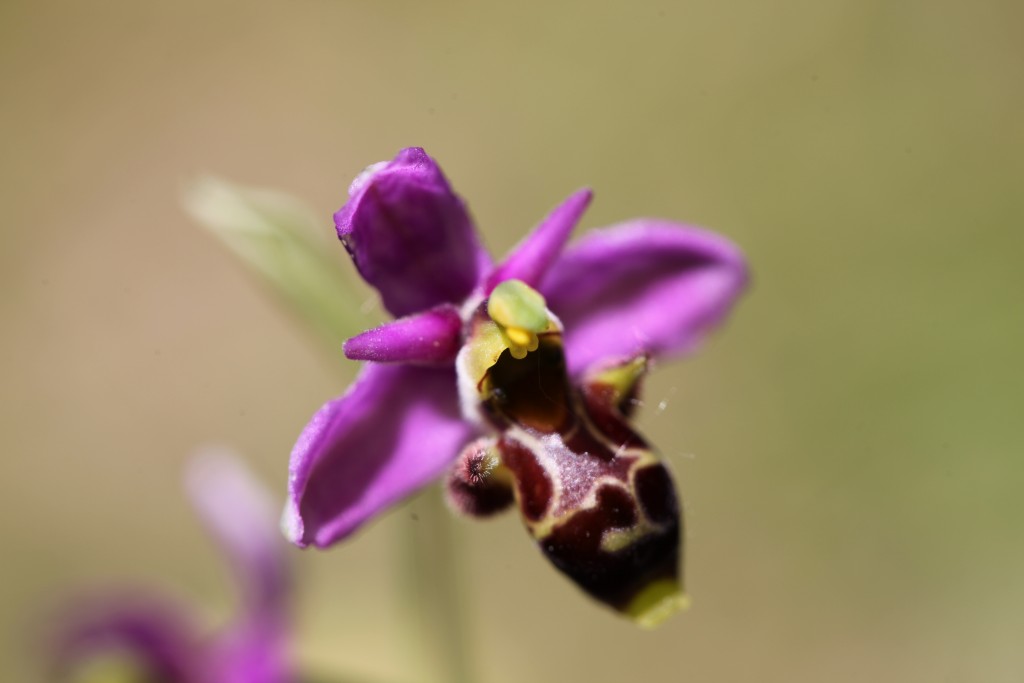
<point x="516" y="379"/>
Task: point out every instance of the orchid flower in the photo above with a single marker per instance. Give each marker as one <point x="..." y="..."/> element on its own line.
<point x="517" y="379"/>
<point x="137" y="637"/>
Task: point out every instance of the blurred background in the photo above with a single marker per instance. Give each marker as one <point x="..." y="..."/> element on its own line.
<point x="849" y="447"/>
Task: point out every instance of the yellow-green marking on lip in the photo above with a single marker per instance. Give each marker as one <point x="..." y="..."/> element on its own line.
<point x="656" y="603"/>
<point x="110" y="668"/>
<point x="521" y="312"/>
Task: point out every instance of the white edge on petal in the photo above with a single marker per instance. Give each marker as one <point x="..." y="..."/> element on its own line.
<point x="364" y="177"/>
<point x="291" y="523"/>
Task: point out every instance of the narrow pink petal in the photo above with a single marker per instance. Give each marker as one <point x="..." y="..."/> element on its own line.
<point x="644" y="287"/>
<point x="530" y="260"/>
<point x="431" y="337"/>
<point x="395" y="430"/>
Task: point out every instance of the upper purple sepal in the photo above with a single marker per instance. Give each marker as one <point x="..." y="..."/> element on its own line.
<point x="645" y="287"/>
<point x="410" y="235"/>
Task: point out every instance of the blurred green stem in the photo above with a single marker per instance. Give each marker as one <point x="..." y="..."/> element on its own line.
<point x="431" y="583"/>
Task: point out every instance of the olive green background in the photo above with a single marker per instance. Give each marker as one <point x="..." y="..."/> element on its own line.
<point x="849" y="447"/>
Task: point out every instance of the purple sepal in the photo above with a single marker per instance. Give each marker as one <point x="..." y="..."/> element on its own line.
<point x="395" y="430"/>
<point x="431" y="337"/>
<point x="648" y="287"/>
<point x="252" y="652"/>
<point x="410" y="235"/>
<point x="151" y="630"/>
<point x="243" y="518"/>
<point x="530" y="260"/>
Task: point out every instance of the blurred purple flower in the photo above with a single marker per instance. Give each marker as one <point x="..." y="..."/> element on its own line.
<point x="157" y="640"/>
<point x="646" y="288"/>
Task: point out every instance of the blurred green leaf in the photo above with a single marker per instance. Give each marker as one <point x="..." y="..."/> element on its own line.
<point x="278" y="238"/>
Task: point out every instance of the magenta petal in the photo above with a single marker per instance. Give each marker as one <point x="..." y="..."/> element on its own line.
<point x="395" y="430"/>
<point x="646" y="286"/>
<point x="410" y="235"/>
<point x="150" y="630"/>
<point x="241" y="515"/>
<point x="530" y="260"/>
<point x="252" y="652"/>
<point x="431" y="337"/>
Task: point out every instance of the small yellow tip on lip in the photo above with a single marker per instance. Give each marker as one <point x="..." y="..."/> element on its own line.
<point x="656" y="603"/>
<point x="519" y="337"/>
